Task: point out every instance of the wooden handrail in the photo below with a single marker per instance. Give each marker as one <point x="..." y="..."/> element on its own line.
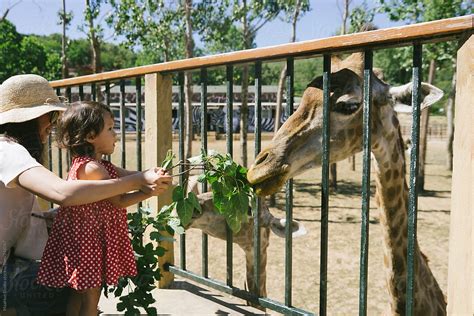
<point x="397" y="36"/>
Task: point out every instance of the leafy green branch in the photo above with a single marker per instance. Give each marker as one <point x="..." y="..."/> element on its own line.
<point x="232" y="193"/>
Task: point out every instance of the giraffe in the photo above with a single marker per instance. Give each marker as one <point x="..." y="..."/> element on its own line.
<point x="297" y="146"/>
<point x="214" y="224"/>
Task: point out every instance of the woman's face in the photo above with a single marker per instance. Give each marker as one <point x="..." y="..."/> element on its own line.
<point x="44" y="126"/>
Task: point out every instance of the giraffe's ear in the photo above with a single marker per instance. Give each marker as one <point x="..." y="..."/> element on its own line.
<point x="278" y="227"/>
<point x="402" y="96"/>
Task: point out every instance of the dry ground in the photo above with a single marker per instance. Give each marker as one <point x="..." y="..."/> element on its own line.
<point x="344" y="236"/>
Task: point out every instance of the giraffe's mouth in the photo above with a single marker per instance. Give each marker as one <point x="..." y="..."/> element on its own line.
<point x="268" y="184"/>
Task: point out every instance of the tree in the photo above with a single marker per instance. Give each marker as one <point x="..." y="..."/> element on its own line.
<point x="25" y="54"/>
<point x="293" y="11"/>
<point x="10" y="49"/>
<point x="65" y="19"/>
<point x="7" y="10"/>
<point x="94" y="33"/>
<point x="226" y="26"/>
<point x="164" y="28"/>
<point x="412" y="11"/>
<point x="345" y="15"/>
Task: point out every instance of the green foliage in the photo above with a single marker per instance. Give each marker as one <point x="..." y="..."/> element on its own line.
<point x="232" y="193"/>
<point x="360" y="17"/>
<point x="23" y="54"/>
<point x="140" y="287"/>
<point x="154" y="25"/>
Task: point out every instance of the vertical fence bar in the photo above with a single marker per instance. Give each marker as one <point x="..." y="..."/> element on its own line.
<point x="413" y="193"/>
<point x="364" y="240"/>
<point x="258" y="147"/>
<point x="289" y="191"/>
<point x="181" y="158"/>
<point x="122" y="124"/>
<point x="325" y="187"/>
<point x="107" y="102"/>
<point x="204" y="239"/>
<point x="230" y="143"/>
<point x="68" y="153"/>
<point x="81" y="93"/>
<point x="60" y="154"/>
<point x="138" y="126"/>
<point x="93" y="92"/>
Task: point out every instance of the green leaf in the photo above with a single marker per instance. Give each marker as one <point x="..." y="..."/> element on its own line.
<point x="185" y="211"/>
<point x="178" y="194"/>
<point x="194" y="201"/>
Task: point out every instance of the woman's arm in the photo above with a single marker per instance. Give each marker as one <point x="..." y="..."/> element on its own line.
<point x="96" y="171"/>
<point x="47" y="185"/>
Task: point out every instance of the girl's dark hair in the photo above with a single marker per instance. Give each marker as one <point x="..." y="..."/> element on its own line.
<point x="27" y="135"/>
<point x="81" y="120"/>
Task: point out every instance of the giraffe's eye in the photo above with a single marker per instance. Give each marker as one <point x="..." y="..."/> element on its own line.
<point x="346" y="108"/>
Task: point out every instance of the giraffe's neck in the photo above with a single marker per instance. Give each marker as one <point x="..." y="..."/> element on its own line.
<point x="392" y="193"/>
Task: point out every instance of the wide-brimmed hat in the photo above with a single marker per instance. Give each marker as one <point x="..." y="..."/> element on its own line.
<point x="26" y="97"/>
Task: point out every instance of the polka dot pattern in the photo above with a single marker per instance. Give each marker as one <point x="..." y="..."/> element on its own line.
<point x="89" y="244"/>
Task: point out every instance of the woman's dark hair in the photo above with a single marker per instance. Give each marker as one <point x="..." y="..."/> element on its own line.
<point x="27" y="135"/>
<point x="81" y="120"/>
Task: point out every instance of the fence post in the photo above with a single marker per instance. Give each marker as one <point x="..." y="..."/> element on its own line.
<point x="158" y="139"/>
<point x="461" y="243"/>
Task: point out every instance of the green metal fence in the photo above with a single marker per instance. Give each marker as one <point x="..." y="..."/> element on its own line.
<point x="412" y="35"/>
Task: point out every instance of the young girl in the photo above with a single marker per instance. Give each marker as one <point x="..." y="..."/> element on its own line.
<point x="89" y="244"/>
<point x="28" y="110"/>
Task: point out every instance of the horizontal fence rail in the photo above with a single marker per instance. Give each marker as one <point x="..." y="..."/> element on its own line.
<point x="397" y="36"/>
<point x="367" y="42"/>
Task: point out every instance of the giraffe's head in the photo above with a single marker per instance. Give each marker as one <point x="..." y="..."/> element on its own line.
<point x="297" y="146"/>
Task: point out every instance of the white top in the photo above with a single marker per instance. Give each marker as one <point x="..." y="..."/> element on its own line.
<point x="17" y="227"/>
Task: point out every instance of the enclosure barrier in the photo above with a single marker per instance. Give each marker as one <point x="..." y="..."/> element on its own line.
<point x="158" y="138"/>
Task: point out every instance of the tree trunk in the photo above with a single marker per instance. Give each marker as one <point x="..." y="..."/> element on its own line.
<point x="94" y="41"/>
<point x="64" y="68"/>
<point x="345" y="15"/>
<point x="424" y="122"/>
<point x="450" y="122"/>
<point x="188" y="91"/>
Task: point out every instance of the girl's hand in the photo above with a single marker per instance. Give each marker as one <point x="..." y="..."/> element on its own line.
<point x="150" y="176"/>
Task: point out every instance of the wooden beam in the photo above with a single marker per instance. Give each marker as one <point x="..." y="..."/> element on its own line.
<point x="158" y="140"/>
<point x="397" y="36"/>
<point x="461" y="242"/>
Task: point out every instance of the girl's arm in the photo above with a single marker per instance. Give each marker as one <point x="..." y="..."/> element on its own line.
<point x="47" y="185"/>
<point x="95" y="171"/>
<point x="124" y="172"/>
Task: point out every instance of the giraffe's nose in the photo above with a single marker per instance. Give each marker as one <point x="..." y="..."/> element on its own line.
<point x="261" y="158"/>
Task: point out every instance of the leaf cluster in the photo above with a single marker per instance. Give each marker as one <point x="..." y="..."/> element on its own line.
<point x="232" y="193"/>
<point x="140" y="287"/>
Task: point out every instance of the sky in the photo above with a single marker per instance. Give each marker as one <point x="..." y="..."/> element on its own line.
<point x="41" y="17"/>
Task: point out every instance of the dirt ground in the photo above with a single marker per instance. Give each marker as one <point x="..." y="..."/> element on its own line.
<point x="344" y="238"/>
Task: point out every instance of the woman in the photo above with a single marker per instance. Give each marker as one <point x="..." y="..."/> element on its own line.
<point x="28" y="110"/>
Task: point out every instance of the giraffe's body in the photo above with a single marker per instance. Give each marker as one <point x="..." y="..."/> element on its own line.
<point x="298" y="145"/>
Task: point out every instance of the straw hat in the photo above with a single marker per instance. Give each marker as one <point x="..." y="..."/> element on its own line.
<point x="26" y="97"/>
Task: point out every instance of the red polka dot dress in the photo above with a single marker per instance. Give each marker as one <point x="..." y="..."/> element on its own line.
<point x="89" y="244"/>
